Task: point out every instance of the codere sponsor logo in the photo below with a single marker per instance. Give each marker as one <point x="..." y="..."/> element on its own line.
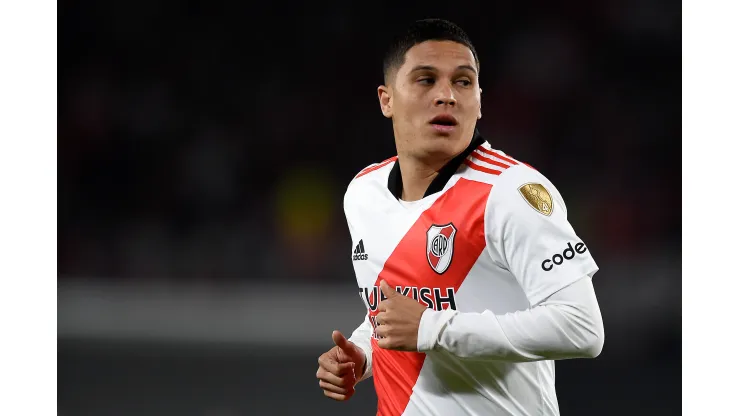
<point x="568" y="254"/>
<point x="359" y="253"/>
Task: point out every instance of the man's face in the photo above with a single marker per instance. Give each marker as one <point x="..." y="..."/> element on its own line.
<point x="434" y="99"/>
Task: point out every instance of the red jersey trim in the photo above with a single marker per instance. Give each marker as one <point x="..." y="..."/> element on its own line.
<point x="376" y="167"/>
<point x="498" y="155"/>
<point x="489" y="160"/>
<point x="480" y="168"/>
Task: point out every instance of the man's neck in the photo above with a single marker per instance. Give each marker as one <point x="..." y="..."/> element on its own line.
<point x="412" y="177"/>
<point x="417" y="175"/>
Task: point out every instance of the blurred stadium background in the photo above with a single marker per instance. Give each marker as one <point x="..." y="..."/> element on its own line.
<point x="204" y="152"/>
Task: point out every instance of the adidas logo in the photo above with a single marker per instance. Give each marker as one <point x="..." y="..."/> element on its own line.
<point x="359" y="253"/>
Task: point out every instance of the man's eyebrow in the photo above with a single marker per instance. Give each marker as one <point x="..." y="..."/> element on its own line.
<point x="431" y="68"/>
<point x="423" y="68"/>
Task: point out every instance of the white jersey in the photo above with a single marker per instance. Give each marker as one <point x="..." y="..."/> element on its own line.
<point x="492" y="237"/>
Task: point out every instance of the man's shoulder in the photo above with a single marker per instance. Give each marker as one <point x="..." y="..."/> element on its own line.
<point x="375" y="174"/>
<point x="513" y="180"/>
<point x="373" y="171"/>
<point x="493" y="166"/>
<point x="374" y="167"/>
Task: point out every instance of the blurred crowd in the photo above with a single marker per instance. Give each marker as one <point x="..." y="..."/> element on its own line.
<point x="207" y="143"/>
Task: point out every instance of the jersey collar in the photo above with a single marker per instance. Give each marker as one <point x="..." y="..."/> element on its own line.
<point x="395" y="184"/>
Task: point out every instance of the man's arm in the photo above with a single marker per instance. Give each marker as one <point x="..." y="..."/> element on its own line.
<point x="528" y="234"/>
<point x="568" y="324"/>
<point x="361" y="337"/>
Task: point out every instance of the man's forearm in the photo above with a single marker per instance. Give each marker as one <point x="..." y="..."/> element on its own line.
<point x="567" y="325"/>
<point x="361" y="337"/>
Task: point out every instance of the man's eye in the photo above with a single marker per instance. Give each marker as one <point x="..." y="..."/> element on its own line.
<point x="464" y="82"/>
<point x="426" y="81"/>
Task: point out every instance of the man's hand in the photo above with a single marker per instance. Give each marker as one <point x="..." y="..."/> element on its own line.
<point x="397" y="324"/>
<point x="340" y="368"/>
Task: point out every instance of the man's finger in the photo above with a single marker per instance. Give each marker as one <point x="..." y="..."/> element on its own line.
<point x="385" y="343"/>
<point x="388" y="291"/>
<point x="335" y="389"/>
<point x="381" y="319"/>
<point x="340" y="381"/>
<point x="381" y="331"/>
<point x="336" y="396"/>
<point x="340" y="341"/>
<point x="335" y="367"/>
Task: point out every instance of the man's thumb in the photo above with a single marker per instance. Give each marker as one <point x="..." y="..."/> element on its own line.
<point x="388" y="291"/>
<point x="340" y="340"/>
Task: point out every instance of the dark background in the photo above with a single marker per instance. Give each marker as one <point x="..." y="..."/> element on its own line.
<point x="204" y="152"/>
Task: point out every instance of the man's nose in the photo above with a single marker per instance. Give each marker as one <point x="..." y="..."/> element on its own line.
<point x="445" y="97"/>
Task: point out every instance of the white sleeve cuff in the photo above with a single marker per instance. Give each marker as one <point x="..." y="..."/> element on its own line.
<point x="431" y="325"/>
<point x="368" y="349"/>
<point x="362" y="338"/>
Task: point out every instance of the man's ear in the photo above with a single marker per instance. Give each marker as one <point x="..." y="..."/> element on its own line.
<point x="480" y="104"/>
<point x="385" y="96"/>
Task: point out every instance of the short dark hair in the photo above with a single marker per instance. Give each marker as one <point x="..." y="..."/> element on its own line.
<point x="421" y="31"/>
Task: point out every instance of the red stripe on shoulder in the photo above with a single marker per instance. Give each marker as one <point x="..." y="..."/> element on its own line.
<point x="498" y="155"/>
<point x="480" y="168"/>
<point x="376" y="167"/>
<point x="489" y="160"/>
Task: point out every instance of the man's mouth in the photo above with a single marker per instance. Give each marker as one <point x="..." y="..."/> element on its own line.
<point x="444" y="120"/>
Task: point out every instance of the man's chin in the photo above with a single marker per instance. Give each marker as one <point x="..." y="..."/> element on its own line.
<point x="445" y="146"/>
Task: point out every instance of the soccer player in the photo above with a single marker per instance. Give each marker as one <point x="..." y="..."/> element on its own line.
<point x="473" y="278"/>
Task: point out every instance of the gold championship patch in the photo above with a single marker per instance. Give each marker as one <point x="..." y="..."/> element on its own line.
<point x="537" y="197"/>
